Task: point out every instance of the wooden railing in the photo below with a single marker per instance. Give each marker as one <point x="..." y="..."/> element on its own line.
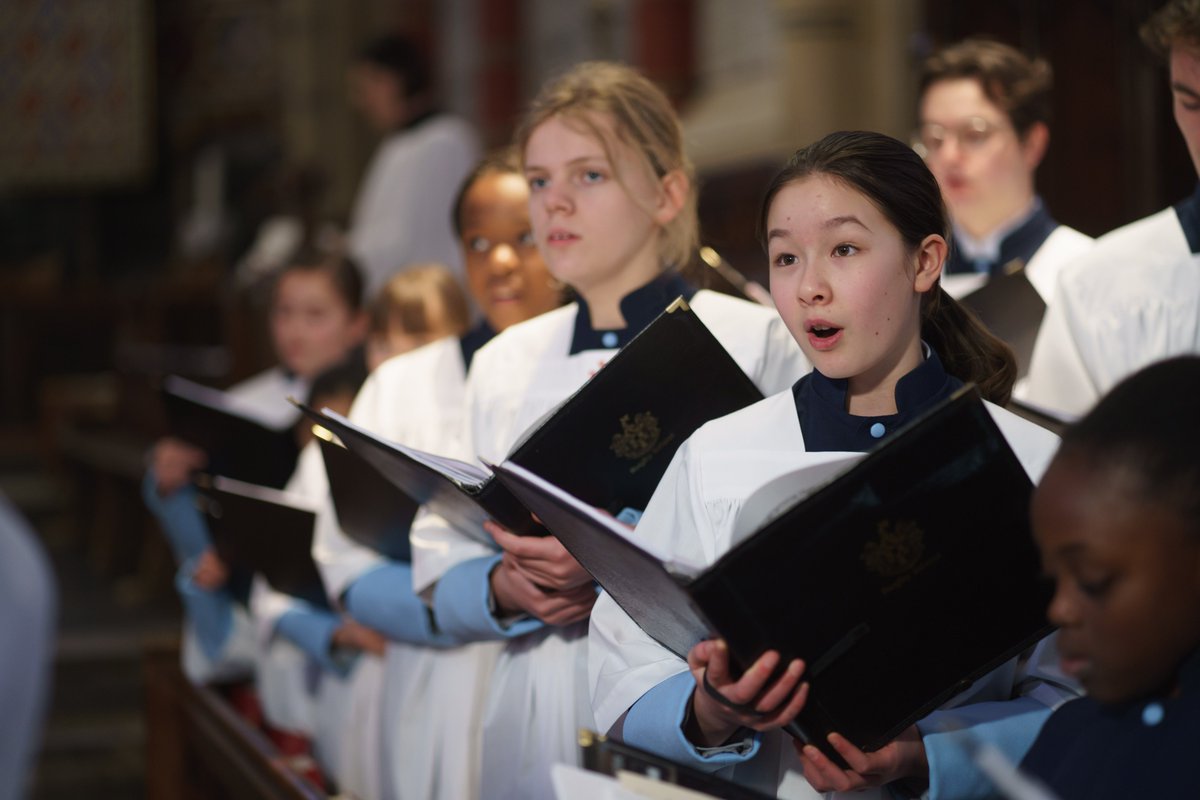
<point x="198" y="747"/>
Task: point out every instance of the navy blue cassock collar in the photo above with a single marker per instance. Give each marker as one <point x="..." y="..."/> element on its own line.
<point x="639" y="308"/>
<point x="828" y="426"/>
<point x="1188" y="212"/>
<point x="474" y="339"/>
<point x="1021" y="244"/>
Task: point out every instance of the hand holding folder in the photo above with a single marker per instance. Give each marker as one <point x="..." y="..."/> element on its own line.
<point x="240" y="443"/>
<point x="266" y="531"/>
<point x="900" y="583"/>
<point x="538" y="576"/>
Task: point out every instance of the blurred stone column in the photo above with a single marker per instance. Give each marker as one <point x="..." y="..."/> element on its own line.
<point x="776" y="74"/>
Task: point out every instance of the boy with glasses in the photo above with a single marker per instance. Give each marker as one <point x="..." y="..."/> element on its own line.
<point x="983" y="131"/>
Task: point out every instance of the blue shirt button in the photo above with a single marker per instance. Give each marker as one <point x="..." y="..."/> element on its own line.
<point x="1152" y="714"/>
<point x="609" y="339"/>
<point x="877" y="430"/>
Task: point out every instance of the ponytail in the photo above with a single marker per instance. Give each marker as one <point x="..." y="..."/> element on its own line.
<point x="968" y="350"/>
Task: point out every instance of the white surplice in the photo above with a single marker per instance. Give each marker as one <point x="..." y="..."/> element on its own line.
<point x="692" y="518"/>
<point x="1133" y="299"/>
<point x="538" y="698"/>
<point x="431" y="699"/>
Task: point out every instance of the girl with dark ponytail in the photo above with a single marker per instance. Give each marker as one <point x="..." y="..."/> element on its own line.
<point x="896" y="181"/>
<point x="856" y="235"/>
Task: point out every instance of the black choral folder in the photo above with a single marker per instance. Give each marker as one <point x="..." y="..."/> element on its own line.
<point x="608" y="756"/>
<point x="258" y="529"/>
<point x="1012" y="309"/>
<point x="370" y="509"/>
<point x="901" y="582"/>
<point x="608" y="443"/>
<point x="238" y="446"/>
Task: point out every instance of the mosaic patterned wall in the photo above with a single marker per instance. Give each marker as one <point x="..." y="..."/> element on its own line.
<point x="75" y="91"/>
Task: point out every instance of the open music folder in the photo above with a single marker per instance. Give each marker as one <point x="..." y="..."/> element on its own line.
<point x="608" y="443"/>
<point x="907" y="577"/>
<point x="239" y="444"/>
<point x="370" y="509"/>
<point x="266" y="531"/>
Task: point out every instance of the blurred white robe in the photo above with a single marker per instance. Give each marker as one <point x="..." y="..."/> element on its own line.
<point x="1133" y="299"/>
<point x="431" y="698"/>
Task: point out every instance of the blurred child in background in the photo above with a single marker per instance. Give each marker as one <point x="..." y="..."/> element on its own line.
<point x="316" y="318"/>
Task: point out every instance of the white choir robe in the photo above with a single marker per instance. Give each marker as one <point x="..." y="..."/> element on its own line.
<point x="692" y="517"/>
<point x="538" y="698"/>
<point x="431" y="697"/>
<point x="302" y="685"/>
<point x="1060" y="248"/>
<point x="1132" y="300"/>
<point x="402" y="212"/>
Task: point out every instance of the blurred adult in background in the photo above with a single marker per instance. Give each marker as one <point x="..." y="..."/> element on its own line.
<point x="401" y="215"/>
<point x="1135" y="297"/>
<point x="27" y="615"/>
<point x="984" y="129"/>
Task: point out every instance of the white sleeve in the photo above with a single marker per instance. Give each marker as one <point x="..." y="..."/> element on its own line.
<point x="1058" y="379"/>
<point x="623" y="661"/>
<point x="1131" y="301"/>
<point x="266" y="607"/>
<point x="340" y="559"/>
<point x="437" y="545"/>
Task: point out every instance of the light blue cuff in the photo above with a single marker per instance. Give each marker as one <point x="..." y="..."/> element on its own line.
<point x="952" y="735"/>
<point x="655" y="723"/>
<point x="383" y="599"/>
<point x="210" y="613"/>
<point x="312" y="631"/>
<point x="180" y="519"/>
<point x="462" y="604"/>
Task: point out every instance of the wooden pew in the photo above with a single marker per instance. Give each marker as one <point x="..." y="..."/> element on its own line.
<point x="198" y="747"/>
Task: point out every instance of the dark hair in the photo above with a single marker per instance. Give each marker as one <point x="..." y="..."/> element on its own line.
<point x="343" y="273"/>
<point x="1018" y="85"/>
<point x="344" y="377"/>
<point x="501" y="162"/>
<point x="897" y="182"/>
<point x="401" y="57"/>
<point x="1175" y="24"/>
<point x="1148" y="425"/>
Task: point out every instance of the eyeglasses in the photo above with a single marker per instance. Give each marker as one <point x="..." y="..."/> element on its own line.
<point x="971" y="134"/>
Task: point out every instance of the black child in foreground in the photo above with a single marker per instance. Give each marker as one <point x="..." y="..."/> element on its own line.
<point x="1117" y="518"/>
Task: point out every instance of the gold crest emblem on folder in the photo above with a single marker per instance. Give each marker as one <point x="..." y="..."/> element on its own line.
<point x="638" y="436"/>
<point x="639" y="440"/>
<point x="896" y="550"/>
